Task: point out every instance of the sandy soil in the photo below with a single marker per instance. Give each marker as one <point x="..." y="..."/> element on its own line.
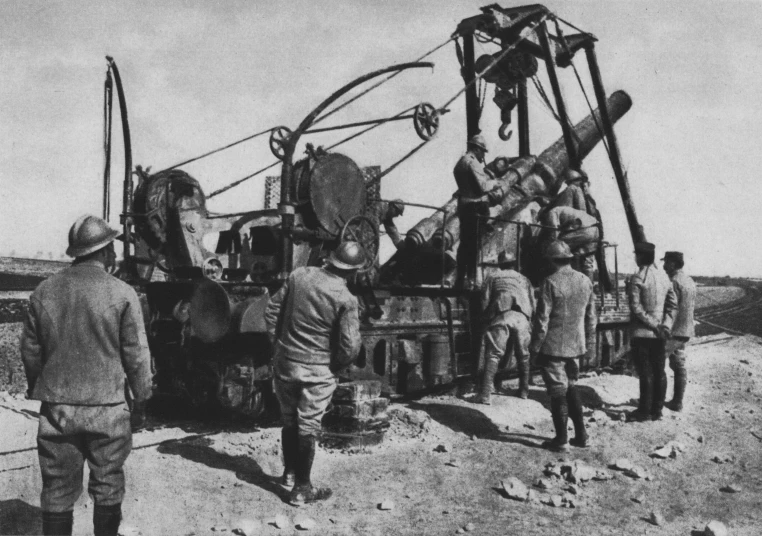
<point x="191" y="478"/>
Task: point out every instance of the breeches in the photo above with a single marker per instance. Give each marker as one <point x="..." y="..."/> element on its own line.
<point x="558" y="373"/>
<point x="69" y="435"/>
<point x="650" y="359"/>
<point x="302" y="405"/>
<point x="676" y="351"/>
<point x="511" y="327"/>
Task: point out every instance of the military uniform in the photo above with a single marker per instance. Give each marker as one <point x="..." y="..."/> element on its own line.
<point x="473" y="181"/>
<point x="652" y="304"/>
<point x="83" y="335"/>
<point x="583" y="240"/>
<point x="508" y="302"/>
<point x="563" y="330"/>
<point x="314" y="325"/>
<point x="682" y="330"/>
<point x="386" y="212"/>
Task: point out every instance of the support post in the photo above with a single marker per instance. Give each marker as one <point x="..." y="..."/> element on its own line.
<point x="523" y="119"/>
<point x="571" y="147"/>
<point x="473" y="114"/>
<point x="636" y="230"/>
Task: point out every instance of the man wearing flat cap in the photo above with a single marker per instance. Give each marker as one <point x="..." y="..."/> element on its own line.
<point x="653" y="306"/>
<point x="508" y="303"/>
<point x="83" y="343"/>
<point x="682" y="329"/>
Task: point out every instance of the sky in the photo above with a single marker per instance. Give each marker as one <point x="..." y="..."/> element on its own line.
<point x="199" y="75"/>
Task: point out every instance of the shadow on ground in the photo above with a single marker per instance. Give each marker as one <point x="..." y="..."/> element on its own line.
<point x="18" y="517"/>
<point x="199" y="450"/>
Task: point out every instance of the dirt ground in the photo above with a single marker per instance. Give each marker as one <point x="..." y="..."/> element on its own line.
<point x="191" y="478"/>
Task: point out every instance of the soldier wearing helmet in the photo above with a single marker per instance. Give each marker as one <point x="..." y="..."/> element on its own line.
<point x="508" y="302"/>
<point x="474" y="181"/>
<point x="563" y="331"/>
<point x="314" y="326"/>
<point x="573" y="195"/>
<point x="386" y="211"/>
<point x="83" y="342"/>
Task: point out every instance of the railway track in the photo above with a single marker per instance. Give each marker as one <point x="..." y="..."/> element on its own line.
<point x="742" y="316"/>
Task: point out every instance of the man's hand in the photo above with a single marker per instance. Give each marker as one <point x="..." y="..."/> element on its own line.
<point x="663" y="332"/>
<point x="138" y="416"/>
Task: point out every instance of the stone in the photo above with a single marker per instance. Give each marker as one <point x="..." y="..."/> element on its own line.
<point x="568" y="499"/>
<point x="469" y="527"/>
<point x="543" y="483"/>
<point x="623" y="464"/>
<point x="280" y="521"/>
<point x="581" y="472"/>
<point x="515" y="489"/>
<point x="128" y="530"/>
<point x="556" y="500"/>
<point x="601" y="474"/>
<point x="715" y="528"/>
<point x="657" y="519"/>
<point x="460" y="531"/>
<point x="731" y="488"/>
<point x="636" y="472"/>
<point x="533" y="496"/>
<point x="640" y="499"/>
<point x="599" y="417"/>
<point x="386" y="505"/>
<point x="247" y="527"/>
<point x="722" y="458"/>
<point x="574" y="489"/>
<point x="443" y="447"/>
<point x="357" y="390"/>
<point x="453" y="463"/>
<point x="662" y="453"/>
<point x="553" y="469"/>
<point x="304" y="523"/>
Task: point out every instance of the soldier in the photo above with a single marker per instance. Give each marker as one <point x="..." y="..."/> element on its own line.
<point x="573" y="195"/>
<point x="386" y="212"/>
<point x="682" y="329"/>
<point x="313" y="323"/>
<point x="563" y="331"/>
<point x="474" y="182"/>
<point x="508" y="303"/>
<point x="653" y="306"/>
<point x="579" y="230"/>
<point x="83" y="334"/>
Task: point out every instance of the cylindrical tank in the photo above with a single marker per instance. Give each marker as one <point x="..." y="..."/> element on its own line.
<point x="438" y="346"/>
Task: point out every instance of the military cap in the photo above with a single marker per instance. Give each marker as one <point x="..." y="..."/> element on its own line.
<point x="673" y="256"/>
<point x="644" y="247"/>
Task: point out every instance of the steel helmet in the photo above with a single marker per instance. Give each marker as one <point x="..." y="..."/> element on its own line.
<point x="477" y="140"/>
<point x="506" y="257"/>
<point x="574" y="175"/>
<point x="398" y="205"/>
<point x="348" y="256"/>
<point x="558" y="250"/>
<point x="88" y="234"/>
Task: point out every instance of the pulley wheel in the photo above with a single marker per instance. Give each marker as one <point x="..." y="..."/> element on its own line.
<point x="426" y="121"/>
<point x="363" y="230"/>
<point x="278" y="139"/>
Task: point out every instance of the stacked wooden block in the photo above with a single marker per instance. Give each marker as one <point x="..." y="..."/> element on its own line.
<point x="357" y="416"/>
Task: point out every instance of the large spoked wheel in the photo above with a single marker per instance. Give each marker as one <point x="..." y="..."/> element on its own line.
<point x="426" y="121"/>
<point x="278" y="139"/>
<point x="363" y="230"/>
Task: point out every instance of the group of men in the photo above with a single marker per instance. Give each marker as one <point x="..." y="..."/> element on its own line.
<point x="86" y="355"/>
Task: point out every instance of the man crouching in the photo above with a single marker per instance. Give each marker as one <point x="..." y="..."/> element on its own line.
<point x="315" y="329"/>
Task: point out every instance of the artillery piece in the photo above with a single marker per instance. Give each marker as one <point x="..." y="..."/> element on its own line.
<point x="205" y="302"/>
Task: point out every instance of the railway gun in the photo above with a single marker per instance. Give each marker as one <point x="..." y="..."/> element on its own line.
<point x="205" y="306"/>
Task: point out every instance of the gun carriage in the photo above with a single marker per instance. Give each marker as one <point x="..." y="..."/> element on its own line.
<point x="205" y="305"/>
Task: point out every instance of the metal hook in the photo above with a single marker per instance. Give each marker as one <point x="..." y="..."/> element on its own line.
<point x="501" y="131"/>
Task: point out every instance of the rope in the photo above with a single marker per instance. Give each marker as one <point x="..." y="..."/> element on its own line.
<point x="239" y="181"/>
<point x="353" y="136"/>
<point x="377" y="84"/>
<point x="218" y="150"/>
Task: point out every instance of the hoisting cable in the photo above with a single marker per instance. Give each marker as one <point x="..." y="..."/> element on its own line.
<point x="495" y="60"/>
<point x="239" y="181"/>
<point x="218" y="150"/>
<point x="377" y="84"/>
<point x="391" y="168"/>
<point x="353" y="136"/>
<point x="581" y="85"/>
<point x="108" y="106"/>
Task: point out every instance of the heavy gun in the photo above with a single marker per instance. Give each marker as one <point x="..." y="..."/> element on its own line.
<point x="524" y="179"/>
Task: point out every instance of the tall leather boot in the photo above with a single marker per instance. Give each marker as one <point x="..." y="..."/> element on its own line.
<point x="645" y="378"/>
<point x="681" y="380"/>
<point x="290" y="442"/>
<point x="57" y="523"/>
<point x="304" y="491"/>
<point x="560" y="412"/>
<point x="490" y="369"/>
<point x="523" y="365"/>
<point x="659" y="387"/>
<point x="575" y="413"/>
<point x="106" y="519"/>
